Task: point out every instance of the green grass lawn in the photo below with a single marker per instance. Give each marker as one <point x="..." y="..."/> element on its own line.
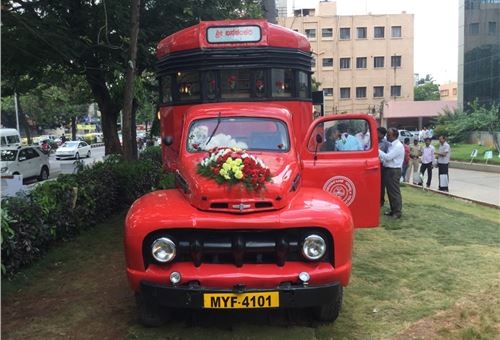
<point x="432" y="274"/>
<point x="462" y="152"/>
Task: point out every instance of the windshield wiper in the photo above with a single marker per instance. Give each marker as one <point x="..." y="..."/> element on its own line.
<point x="215" y="130"/>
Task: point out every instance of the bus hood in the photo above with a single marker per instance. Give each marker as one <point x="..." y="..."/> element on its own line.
<point x="206" y="194"/>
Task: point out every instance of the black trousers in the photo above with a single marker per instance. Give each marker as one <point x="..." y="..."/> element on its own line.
<point x="382" y="185"/>
<point x="443" y="170"/>
<point x="427" y="167"/>
<point x="391" y="180"/>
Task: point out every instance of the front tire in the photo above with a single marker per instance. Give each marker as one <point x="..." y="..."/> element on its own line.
<point x="330" y="311"/>
<point x="44" y="174"/>
<point x="149" y="313"/>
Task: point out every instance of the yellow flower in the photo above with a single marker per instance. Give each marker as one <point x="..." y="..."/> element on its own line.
<point x="226" y="166"/>
<point x="235" y="169"/>
<point x="238" y="175"/>
<point x="237" y="161"/>
<point x="227" y="177"/>
<point x="223" y="172"/>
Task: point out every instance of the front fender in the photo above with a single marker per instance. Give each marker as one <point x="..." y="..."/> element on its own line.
<point x="169" y="209"/>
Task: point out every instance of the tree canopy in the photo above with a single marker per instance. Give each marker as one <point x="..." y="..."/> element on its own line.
<point x="90" y="38"/>
<point x="426" y="89"/>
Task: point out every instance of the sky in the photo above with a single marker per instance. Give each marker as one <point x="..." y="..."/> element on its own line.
<point x="435" y="29"/>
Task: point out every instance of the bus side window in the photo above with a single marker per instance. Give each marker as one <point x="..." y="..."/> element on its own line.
<point x="188" y="85"/>
<point x="343" y="135"/>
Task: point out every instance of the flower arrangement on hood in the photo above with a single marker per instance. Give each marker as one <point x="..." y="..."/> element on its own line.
<point x="233" y="165"/>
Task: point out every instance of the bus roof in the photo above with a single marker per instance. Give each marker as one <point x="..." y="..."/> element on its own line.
<point x="231" y="34"/>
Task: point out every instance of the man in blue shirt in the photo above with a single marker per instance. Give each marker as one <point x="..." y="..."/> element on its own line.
<point x="345" y="141"/>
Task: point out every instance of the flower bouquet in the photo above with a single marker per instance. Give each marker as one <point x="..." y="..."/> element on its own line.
<point x="233" y="165"/>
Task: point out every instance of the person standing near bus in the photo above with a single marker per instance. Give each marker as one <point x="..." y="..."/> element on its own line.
<point x="383" y="145"/>
<point x="415" y="153"/>
<point x="443" y="161"/>
<point x="427" y="158"/>
<point x="392" y="161"/>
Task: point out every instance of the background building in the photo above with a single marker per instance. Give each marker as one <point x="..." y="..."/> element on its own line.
<point x="448" y="91"/>
<point x="361" y="61"/>
<point x="479" y="52"/>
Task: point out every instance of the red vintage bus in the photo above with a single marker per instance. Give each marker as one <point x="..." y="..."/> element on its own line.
<point x="266" y="198"/>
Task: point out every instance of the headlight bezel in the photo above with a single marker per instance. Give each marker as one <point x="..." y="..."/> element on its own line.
<point x="166" y="243"/>
<point x="314" y="239"/>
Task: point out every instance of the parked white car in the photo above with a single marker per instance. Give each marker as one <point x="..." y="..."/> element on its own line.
<point x="405" y="134"/>
<point x="28" y="161"/>
<point x="73" y="149"/>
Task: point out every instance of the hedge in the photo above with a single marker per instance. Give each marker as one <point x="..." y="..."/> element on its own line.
<point x="58" y="210"/>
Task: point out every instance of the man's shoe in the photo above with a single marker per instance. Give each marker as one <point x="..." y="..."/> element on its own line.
<point x="388" y="213"/>
<point x="396" y="216"/>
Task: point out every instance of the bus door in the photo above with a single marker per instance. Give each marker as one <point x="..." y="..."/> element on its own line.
<point x="340" y="156"/>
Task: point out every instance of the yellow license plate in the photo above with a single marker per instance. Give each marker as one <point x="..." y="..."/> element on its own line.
<point x="243" y="300"/>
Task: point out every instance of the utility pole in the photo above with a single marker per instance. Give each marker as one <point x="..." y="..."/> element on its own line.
<point x="17" y="111"/>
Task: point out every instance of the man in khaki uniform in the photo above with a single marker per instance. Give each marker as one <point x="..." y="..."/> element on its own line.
<point x="415" y="153"/>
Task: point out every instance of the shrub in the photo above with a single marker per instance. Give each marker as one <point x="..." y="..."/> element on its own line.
<point x="58" y="210"/>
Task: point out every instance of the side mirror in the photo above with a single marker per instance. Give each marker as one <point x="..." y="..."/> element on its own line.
<point x="319" y="139"/>
<point x="168" y="140"/>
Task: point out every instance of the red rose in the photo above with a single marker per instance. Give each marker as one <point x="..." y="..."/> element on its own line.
<point x="216" y="171"/>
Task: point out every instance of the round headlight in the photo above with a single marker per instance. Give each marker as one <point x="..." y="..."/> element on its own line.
<point x="314" y="247"/>
<point x="163" y="250"/>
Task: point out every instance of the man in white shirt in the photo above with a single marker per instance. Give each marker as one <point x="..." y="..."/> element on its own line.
<point x="392" y="160"/>
<point x="427" y="158"/>
<point x="443" y="153"/>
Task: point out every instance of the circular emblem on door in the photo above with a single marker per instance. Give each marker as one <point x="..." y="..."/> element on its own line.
<point x="341" y="187"/>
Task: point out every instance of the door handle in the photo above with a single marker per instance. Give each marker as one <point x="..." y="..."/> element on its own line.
<point x="374" y="167"/>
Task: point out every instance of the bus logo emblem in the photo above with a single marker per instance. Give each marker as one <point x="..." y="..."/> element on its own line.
<point x="341" y="187"/>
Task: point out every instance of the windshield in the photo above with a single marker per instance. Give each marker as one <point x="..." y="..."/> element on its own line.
<point x="8" y="155"/>
<point x="246" y="133"/>
<point x="70" y="145"/>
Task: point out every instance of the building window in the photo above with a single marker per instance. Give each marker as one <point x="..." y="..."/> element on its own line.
<point x="395" y="61"/>
<point x="328" y="92"/>
<point x="360" y="92"/>
<point x="378" y="62"/>
<point x="378" y="91"/>
<point x="492" y="27"/>
<point x="311" y="33"/>
<point x="327" y="32"/>
<point x="379" y="32"/>
<point x="362" y="33"/>
<point x="345" y="33"/>
<point x="345" y="63"/>
<point x="361" y="62"/>
<point x="454" y="91"/>
<point x="396" y="91"/>
<point x="345" y="92"/>
<point x="474" y="28"/>
<point x="313" y="62"/>
<point x="396" y="31"/>
<point x="327" y="62"/>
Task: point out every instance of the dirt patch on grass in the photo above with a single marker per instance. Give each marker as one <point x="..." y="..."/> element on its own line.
<point x="473" y="317"/>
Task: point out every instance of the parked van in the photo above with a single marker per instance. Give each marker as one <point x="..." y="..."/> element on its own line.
<point x="9" y="137"/>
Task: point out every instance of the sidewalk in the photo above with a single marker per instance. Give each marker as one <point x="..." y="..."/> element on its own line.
<point x="469" y="184"/>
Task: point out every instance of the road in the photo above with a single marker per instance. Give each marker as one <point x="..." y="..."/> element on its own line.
<point x="97" y="154"/>
<point x="476" y="185"/>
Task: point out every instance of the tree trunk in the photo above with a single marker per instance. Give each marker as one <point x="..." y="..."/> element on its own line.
<point x="73" y="128"/>
<point x="24" y="121"/>
<point x="109" y="111"/>
<point x="128" y="127"/>
<point x="269" y="7"/>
